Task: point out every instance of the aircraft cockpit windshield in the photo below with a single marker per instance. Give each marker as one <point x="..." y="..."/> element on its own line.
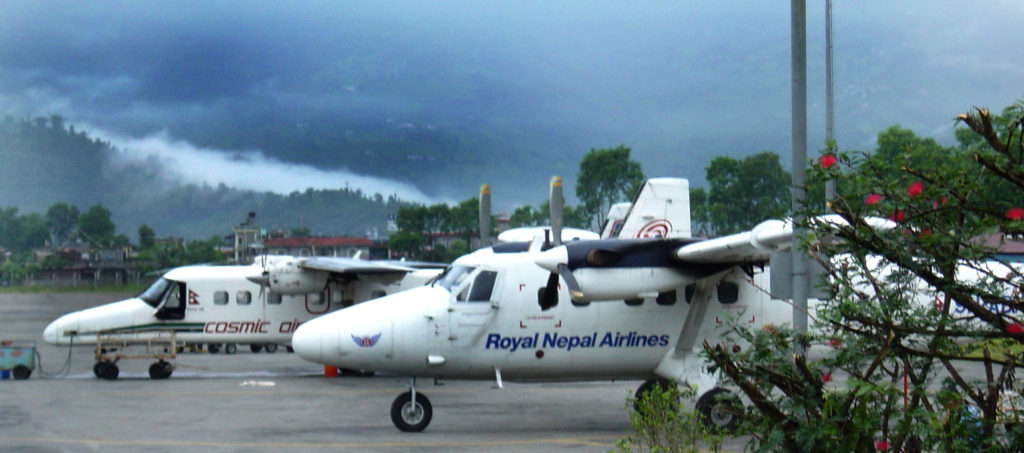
<point x="153" y="295"/>
<point x="453" y="276"/>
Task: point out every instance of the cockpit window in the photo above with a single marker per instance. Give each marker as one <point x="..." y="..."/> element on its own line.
<point x="483" y="285"/>
<point x="153" y="295"/>
<point x="453" y="276"/>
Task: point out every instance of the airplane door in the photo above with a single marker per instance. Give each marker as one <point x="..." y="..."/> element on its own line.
<point x="472" y="309"/>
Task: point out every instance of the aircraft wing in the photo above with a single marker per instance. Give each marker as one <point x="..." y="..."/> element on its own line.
<point x="759" y="243"/>
<point x="339" y="265"/>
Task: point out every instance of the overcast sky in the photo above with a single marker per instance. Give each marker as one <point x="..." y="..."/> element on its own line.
<point x="678" y="81"/>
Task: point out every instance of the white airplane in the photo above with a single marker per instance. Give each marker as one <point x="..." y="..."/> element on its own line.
<point x="221" y="306"/>
<point x="496" y="313"/>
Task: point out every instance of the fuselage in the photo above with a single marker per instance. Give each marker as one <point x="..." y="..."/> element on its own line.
<point x="483" y="315"/>
<point x="217" y="304"/>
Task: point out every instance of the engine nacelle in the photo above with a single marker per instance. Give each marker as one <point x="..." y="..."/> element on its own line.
<point x="288" y="278"/>
<point x="605" y="284"/>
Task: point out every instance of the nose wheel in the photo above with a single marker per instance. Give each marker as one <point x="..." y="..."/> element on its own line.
<point x="411" y="411"/>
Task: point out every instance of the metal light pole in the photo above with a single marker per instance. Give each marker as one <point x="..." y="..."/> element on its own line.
<point x="830" y="184"/>
<point x="798" y="38"/>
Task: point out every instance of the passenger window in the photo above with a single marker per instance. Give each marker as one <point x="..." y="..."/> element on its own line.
<point x="483" y="285"/>
<point x="728" y="292"/>
<point x="273" y="298"/>
<point x="220" y="298"/>
<point x="666" y="298"/>
<point x="243" y="297"/>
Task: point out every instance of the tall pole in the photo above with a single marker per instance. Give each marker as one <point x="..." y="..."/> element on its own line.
<point x="830" y="119"/>
<point x="799" y="65"/>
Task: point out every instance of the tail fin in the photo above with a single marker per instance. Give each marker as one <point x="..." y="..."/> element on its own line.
<point x="661" y="209"/>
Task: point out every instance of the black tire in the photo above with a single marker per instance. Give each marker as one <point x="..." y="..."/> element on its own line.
<point x="720" y="408"/>
<point x="411" y="417"/>
<point x="160" y="370"/>
<point x="646" y="387"/>
<point x="270" y="348"/>
<point x="230" y="348"/>
<point x="289" y="349"/>
<point x="21" y="372"/>
<point x="255" y="348"/>
<point x="109" y="371"/>
<point x="98" y="368"/>
<point x="213" y="348"/>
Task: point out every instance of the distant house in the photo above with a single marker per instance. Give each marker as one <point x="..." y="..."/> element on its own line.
<point x="75" y="264"/>
<point x="320" y="246"/>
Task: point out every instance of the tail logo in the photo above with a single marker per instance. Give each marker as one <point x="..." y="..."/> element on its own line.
<point x="655" y="229"/>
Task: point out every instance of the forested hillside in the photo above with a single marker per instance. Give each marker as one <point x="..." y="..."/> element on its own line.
<point x="46" y="161"/>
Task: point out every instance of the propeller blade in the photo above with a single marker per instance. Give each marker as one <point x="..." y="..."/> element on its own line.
<point x="549" y="294"/>
<point x="556" y="204"/>
<point x="485" y="213"/>
<point x="570" y="282"/>
<point x="263" y="279"/>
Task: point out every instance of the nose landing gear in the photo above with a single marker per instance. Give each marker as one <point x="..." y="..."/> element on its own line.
<point x="411" y="411"/>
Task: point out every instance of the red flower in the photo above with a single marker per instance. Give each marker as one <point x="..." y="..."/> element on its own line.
<point x="835" y="343"/>
<point x="898" y="216"/>
<point x="827" y="160"/>
<point x="881" y="445"/>
<point x="915" y="189"/>
<point x="1015" y="328"/>
<point x="1015" y="214"/>
<point x="874" y="198"/>
<point x="827" y="377"/>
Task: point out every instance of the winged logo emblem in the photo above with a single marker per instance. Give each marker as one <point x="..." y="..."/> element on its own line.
<point x="366" y="342"/>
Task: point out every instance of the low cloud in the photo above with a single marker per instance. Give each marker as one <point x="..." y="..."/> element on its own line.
<point x="179" y="160"/>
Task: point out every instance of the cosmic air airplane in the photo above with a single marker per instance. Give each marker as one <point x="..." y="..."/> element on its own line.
<point x="222" y="306"/>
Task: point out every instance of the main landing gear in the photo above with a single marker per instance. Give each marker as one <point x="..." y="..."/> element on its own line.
<point x="411" y="411"/>
<point x="719" y="408"/>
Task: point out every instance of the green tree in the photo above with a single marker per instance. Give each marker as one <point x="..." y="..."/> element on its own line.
<point x="524" y="216"/>
<point x="742" y="193"/>
<point x="147" y="237"/>
<point x="96" y="225"/>
<point x="22" y="233"/>
<point x="606" y="176"/>
<point x="62" y="220"/>
<point x="700" y="217"/>
<point x="464" y="219"/>
<point x="407" y="243"/>
<point x="921" y="300"/>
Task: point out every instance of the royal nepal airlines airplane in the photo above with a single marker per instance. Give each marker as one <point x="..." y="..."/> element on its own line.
<point x="222" y="306"/>
<point x="497" y="313"/>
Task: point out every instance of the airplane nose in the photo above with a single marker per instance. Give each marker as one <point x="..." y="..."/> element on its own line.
<point x="56" y="331"/>
<point x="50" y="333"/>
<point x="307" y="341"/>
